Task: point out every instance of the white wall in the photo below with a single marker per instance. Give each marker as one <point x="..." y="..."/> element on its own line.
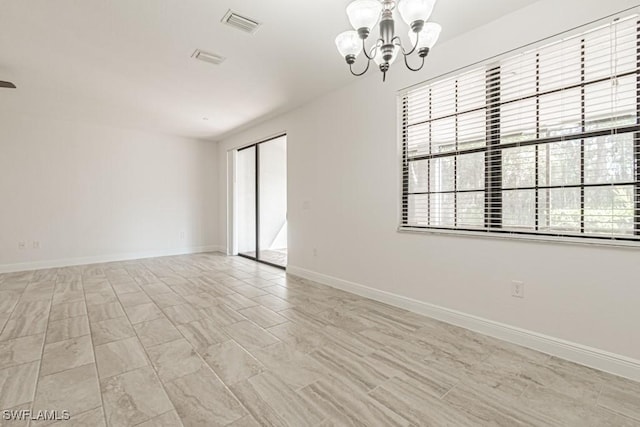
<point x="89" y="192"/>
<point x="343" y="161"/>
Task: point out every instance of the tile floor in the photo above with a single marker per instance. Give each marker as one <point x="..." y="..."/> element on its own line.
<point x="210" y="340"/>
<point x="274" y="256"/>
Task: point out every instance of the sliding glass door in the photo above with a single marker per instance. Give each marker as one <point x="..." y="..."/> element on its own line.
<point x="261" y="214"/>
<point x="246" y="205"/>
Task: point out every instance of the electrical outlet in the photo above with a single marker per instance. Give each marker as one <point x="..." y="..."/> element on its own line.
<point x="517" y="289"/>
<point x="182" y="235"/>
<point x="36" y="244"/>
<point x="315" y="252"/>
<point x="22" y="245"/>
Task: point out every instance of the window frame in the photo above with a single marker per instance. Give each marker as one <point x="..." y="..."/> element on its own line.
<point x="493" y="149"/>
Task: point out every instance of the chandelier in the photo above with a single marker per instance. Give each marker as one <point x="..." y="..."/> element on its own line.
<point x="365" y="14"/>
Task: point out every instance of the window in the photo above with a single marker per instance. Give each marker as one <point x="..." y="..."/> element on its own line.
<point x="546" y="142"/>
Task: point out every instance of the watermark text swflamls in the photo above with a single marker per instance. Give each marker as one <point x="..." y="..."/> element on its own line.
<point x="27" y="414"/>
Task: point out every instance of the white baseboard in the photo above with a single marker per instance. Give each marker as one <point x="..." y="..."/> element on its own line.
<point x="595" y="358"/>
<point x="39" y="265"/>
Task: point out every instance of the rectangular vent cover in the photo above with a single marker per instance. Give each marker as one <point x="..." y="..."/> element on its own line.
<point x="240" y="22"/>
<point x="208" y="57"/>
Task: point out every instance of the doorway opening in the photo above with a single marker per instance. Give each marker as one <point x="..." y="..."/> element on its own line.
<point x="261" y="201"/>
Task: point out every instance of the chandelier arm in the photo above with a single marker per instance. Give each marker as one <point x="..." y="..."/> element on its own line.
<point x="404" y="52"/>
<point x="406" y="62"/>
<point x="373" y="51"/>
<point x="363" y="72"/>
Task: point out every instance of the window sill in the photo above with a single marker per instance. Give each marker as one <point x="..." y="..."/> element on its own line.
<point x="579" y="241"/>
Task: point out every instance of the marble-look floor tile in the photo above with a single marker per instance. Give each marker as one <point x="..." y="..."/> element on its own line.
<point x="622" y="396"/>
<point x="133" y="299"/>
<point x="237" y="301"/>
<point x="250" y="336"/>
<point x="308" y="304"/>
<point x="202" y="400"/>
<point x="121" y="356"/>
<point x="125" y="288"/>
<point x="156" y="288"/>
<point x="283" y="291"/>
<point x="222" y="315"/>
<point x="262" y="316"/>
<point x="17" y="384"/>
<point x="386" y="316"/>
<point x="4" y="318"/>
<point x="156" y="332"/>
<point x="110" y="330"/>
<point x="231" y="362"/>
<point x="103" y="296"/>
<point x="508" y="382"/>
<point x="38" y="292"/>
<point x="68" y="296"/>
<point x="345" y="319"/>
<point x="100" y="312"/>
<point x="202" y="300"/>
<point x="64" y="329"/>
<point x="269" y="400"/>
<point x="8" y="300"/>
<point x="293" y="351"/>
<point x="91" y="418"/>
<point x="66" y="310"/>
<point x="304" y="319"/>
<point x="249" y="291"/>
<point x="167" y="299"/>
<point x="247" y="421"/>
<point x="567" y="378"/>
<point x="174" y="359"/>
<point x="552" y="406"/>
<point x="28" y="318"/>
<point x="203" y="333"/>
<point x="337" y="401"/>
<point x="143" y="313"/>
<point x="16" y="421"/>
<point x="134" y="397"/>
<point x="347" y="366"/>
<point x="305" y="339"/>
<point x="351" y="341"/>
<point x="482" y="404"/>
<point x="21" y="350"/>
<point x="216" y="289"/>
<point x="258" y="282"/>
<point x="294" y="368"/>
<point x="272" y="302"/>
<point x="439" y="381"/>
<point x="63" y="355"/>
<point x="183" y="313"/>
<point x="75" y="390"/>
<point x="168" y="419"/>
<point x="407" y="397"/>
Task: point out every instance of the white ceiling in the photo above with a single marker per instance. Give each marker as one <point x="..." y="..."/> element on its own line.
<point x="127" y="62"/>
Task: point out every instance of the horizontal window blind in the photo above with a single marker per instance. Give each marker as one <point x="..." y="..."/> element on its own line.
<point x="543" y="142"/>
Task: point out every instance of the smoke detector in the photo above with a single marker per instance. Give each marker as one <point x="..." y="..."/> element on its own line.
<point x="211" y="58"/>
<point x="240" y="22"/>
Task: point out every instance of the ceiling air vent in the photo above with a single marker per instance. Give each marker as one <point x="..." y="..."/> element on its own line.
<point x="240" y="22"/>
<point x="208" y="57"/>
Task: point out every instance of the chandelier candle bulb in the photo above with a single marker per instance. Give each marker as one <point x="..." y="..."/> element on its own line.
<point x="366" y="14"/>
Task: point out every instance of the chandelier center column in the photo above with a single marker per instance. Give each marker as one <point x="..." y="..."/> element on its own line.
<point x="387" y="33"/>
